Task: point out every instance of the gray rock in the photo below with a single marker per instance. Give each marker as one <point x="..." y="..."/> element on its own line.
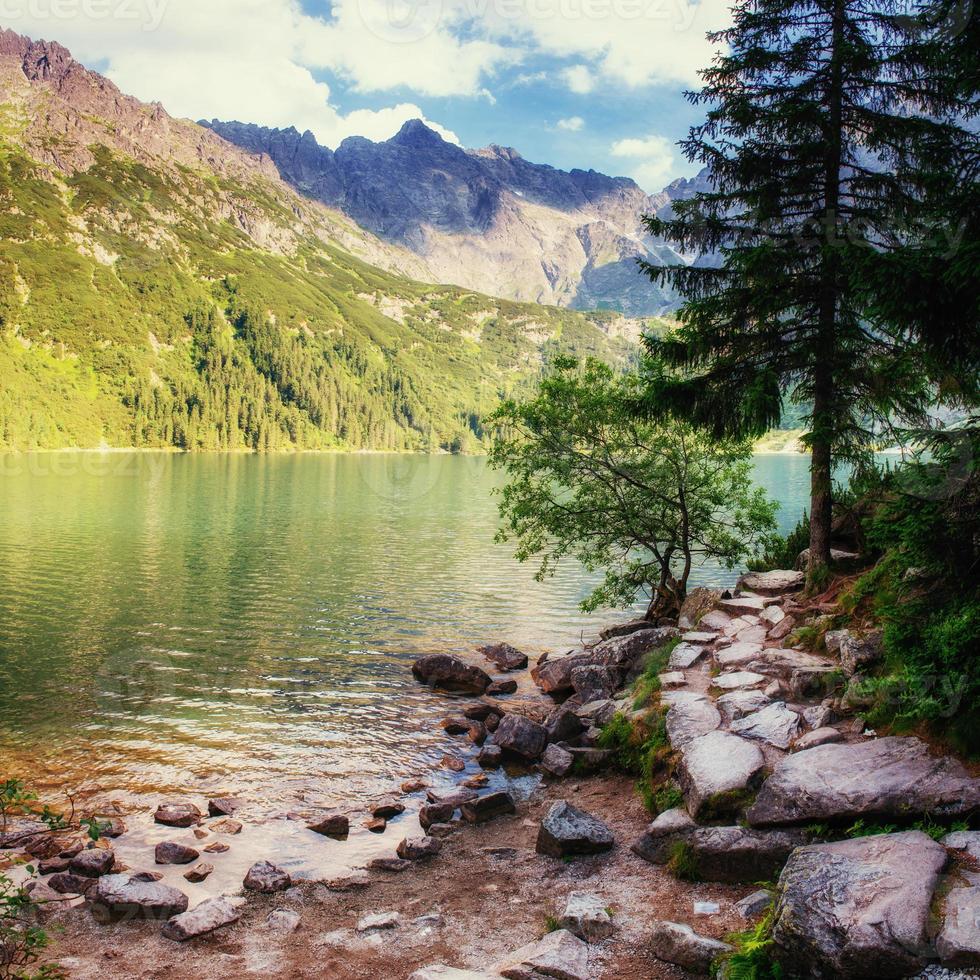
<point x="563" y="724"/>
<point x="378" y="920"/>
<point x="689" y="716"/>
<point x="753" y="634"/>
<point x="124" y="896"/>
<point x="700" y="637"/>
<point x="439" y="971"/>
<point x="598" y="713"/>
<point x="556" y="761"/>
<point x="819" y="736"/>
<point x="754" y="905"/>
<point x="505" y="656"/>
<point x="774" y="583"/>
<point x="594" y="682"/>
<point x="388" y="864"/>
<point x="521" y="736"/>
<point x="92" y="863"/>
<point x="622" y="651"/>
<point x="856" y="909"/>
<point x="958" y="942"/>
<point x="450" y="673"/>
<point x="739" y="605"/>
<point x="716" y="619"/>
<point x="783" y="628"/>
<point x="567" y="831"/>
<point x="457" y="797"/>
<point x="418" y="848"/>
<point x="169" y="852"/>
<point x="964" y="840"/>
<point x="884" y="778"/>
<point x="585" y="916"/>
<point x="676" y="943"/>
<point x="737" y="854"/>
<point x="774" y="724"/>
<point x="772" y="615"/>
<point x="738" y="680"/>
<point x="177" y="815"/>
<point x="487" y="807"/>
<point x="283" y="920"/>
<point x="714" y="768"/>
<point x="264" y="876"/>
<point x="658" y="839"/>
<point x="587" y="760"/>
<point x="685" y="655"/>
<point x="833" y="638"/>
<point x="858" y="652"/>
<point x="698" y="604"/>
<point x="739" y="654"/>
<point x="211" y="914"/>
<point x="559" y="954"/>
<point x="738" y="704"/>
<point x="673" y="678"/>
<point x="818" y="716"/>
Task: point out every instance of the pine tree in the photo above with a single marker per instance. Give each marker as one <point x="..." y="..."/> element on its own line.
<point x="831" y="131"/>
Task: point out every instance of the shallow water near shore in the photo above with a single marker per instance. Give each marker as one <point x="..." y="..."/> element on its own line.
<point x="185" y="626"/>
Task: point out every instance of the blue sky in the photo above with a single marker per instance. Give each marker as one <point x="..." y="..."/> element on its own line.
<point x="573" y="83"/>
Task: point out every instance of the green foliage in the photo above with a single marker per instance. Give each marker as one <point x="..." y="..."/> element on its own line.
<point x="667" y="797"/>
<point x="647" y="685"/>
<point x="644" y="502"/>
<point x="22" y="941"/>
<point x="752" y="959"/>
<point x="780" y="551"/>
<point x="551" y="924"/>
<point x="925" y="591"/>
<point x="682" y="862"/>
<point x="179" y="332"/>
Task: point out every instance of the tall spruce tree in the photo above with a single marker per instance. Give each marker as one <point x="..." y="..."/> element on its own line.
<point x="833" y="131"/>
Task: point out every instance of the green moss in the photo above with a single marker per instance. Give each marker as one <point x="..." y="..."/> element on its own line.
<point x="682" y="862"/>
<point x="723" y="806"/>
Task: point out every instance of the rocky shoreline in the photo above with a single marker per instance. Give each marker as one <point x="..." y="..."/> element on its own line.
<point x="760" y="750"/>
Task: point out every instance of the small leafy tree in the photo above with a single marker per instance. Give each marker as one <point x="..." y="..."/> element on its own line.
<point x="647" y="502"/>
<point x="21" y="940"/>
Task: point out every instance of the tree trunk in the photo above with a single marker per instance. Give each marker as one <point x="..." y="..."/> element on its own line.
<point x="824" y="409"/>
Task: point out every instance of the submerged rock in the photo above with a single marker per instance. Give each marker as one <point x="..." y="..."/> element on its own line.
<point x="505" y="656"/>
<point x="223" y="806"/>
<point x="177" y="815"/>
<point x="856" y="909"/>
<point x="894" y="777"/>
<point x="567" y="831"/>
<point x="169" y="852"/>
<point x="450" y="673"/>
<point x="211" y="914"/>
<point x="332" y="825"/>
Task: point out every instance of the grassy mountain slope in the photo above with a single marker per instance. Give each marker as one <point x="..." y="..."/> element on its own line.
<point x="161" y="288"/>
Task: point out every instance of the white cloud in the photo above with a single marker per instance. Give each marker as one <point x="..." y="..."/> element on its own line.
<point x="653" y="158"/>
<point x="579" y="79"/>
<point x="571" y="125"/>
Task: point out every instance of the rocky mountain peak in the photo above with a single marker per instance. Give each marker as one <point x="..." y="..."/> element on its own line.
<point x="415" y="133"/>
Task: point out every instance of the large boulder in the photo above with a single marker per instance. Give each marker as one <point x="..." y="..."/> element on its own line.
<point x="554" y="676"/>
<point x="774" y="724"/>
<point x="738" y="854"/>
<point x="715" y="771"/>
<point x="595" y="682"/>
<point x="885" y="778"/>
<point x="559" y="954"/>
<point x="451" y="674"/>
<point x="123" y="896"/>
<point x="521" y="736"/>
<point x="211" y="914"/>
<point x="958" y="942"/>
<point x="566" y="831"/>
<point x="622" y="651"/>
<point x="674" y="942"/>
<point x="858" y="908"/>
<point x="775" y="583"/>
<point x="697" y="603"/>
<point x="505" y="656"/>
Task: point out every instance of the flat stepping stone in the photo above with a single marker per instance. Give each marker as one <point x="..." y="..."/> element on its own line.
<point x="772" y="616"/>
<point x="858" y="908"/>
<point x="738" y="654"/>
<point x="685" y="655"/>
<point x="775" y="583"/>
<point x="737" y="704"/>
<point x="714" y="769"/>
<point x="738" y="679"/>
<point x="752" y="634"/>
<point x="559" y="954"/>
<point x="689" y="716"/>
<point x="751" y="604"/>
<point x="673" y="678"/>
<point x="716" y="619"/>
<point x="698" y="636"/>
<point x="885" y="778"/>
<point x="774" y="724"/>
